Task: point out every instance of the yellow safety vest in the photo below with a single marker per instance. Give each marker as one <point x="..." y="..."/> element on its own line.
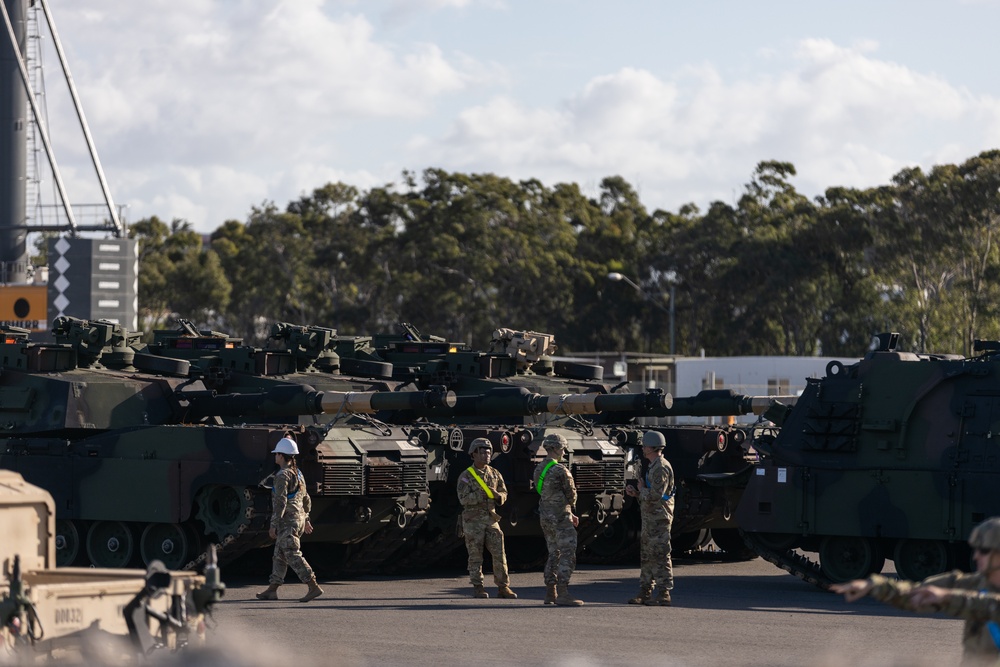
<point x="472" y="471"/>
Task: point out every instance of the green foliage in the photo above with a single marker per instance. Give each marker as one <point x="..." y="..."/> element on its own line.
<point x="177" y="275"/>
<point x="459" y="255"/>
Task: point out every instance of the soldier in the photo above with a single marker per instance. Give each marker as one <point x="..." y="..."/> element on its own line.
<point x="656" y="505"/>
<point x="480" y="490"/>
<point x="290" y="507"/>
<point x="974" y="597"/>
<point x="554" y="483"/>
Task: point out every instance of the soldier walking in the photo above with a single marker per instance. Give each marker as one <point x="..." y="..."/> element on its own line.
<point x="655" y="491"/>
<point x="290" y="507"/>
<point x="480" y="490"/>
<point x="974" y="597"/>
<point x="554" y="483"/>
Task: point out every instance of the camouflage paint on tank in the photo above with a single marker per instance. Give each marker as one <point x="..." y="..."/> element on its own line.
<point x="132" y="446"/>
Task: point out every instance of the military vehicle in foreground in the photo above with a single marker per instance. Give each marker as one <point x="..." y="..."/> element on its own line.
<point x="890" y="457"/>
<point x="46" y="611"/>
<point x="144" y="466"/>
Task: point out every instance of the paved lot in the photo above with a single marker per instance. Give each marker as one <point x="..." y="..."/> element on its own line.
<point x="725" y="614"/>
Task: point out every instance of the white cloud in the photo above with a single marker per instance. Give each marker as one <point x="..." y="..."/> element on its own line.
<point x="203" y="109"/>
<point x="839" y="114"/>
<point x="242" y="88"/>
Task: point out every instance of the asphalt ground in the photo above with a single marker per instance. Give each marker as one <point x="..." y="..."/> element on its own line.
<point x="744" y="613"/>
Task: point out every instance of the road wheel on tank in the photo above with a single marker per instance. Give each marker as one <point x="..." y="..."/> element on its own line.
<point x="613" y="540"/>
<point x="110" y="544"/>
<point x="732" y="544"/>
<point x="222" y="509"/>
<point x="69" y="539"/>
<point x="919" y="559"/>
<point x="690" y="541"/>
<point x="845" y="558"/>
<point x="775" y="541"/>
<point x="170" y="543"/>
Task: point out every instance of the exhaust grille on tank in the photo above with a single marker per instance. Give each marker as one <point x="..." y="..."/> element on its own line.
<point x="342" y="479"/>
<point x="385" y="479"/>
<point x="414" y="477"/>
<point x="599" y="476"/>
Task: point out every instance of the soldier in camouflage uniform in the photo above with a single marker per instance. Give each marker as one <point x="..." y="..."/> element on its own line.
<point x="555" y="484"/>
<point x="290" y="507"/>
<point x="480" y="490"/>
<point x="974" y="597"/>
<point x="655" y="492"/>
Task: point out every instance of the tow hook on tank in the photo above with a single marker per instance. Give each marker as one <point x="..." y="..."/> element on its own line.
<point x="402" y="516"/>
<point x="363" y="514"/>
<point x="599" y="513"/>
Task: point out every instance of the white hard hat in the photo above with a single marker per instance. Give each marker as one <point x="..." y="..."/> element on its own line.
<point x="287" y="447"/>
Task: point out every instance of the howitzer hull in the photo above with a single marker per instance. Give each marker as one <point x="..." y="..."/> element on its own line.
<point x="888" y="458"/>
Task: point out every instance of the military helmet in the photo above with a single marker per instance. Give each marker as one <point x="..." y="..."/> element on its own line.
<point x="554" y="441"/>
<point x="986" y="536"/>
<point x="653" y="439"/>
<point x="287" y="447"/>
<point x="479" y="443"/>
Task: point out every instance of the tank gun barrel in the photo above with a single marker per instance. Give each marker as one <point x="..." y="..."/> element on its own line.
<point x="720" y="403"/>
<point x="651" y="401"/>
<point x="293" y="400"/>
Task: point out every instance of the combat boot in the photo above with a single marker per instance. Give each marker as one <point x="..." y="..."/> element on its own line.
<point x="505" y="592"/>
<point x="564" y="599"/>
<point x="479" y="592"/>
<point x="270" y="594"/>
<point x="314" y="591"/>
<point x="642" y="596"/>
<point x="550" y="593"/>
<point x="661" y="600"/>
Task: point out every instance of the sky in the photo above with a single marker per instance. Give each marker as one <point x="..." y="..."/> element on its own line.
<point x="203" y="109"/>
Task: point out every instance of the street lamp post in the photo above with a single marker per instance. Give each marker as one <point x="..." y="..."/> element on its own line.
<point x="615" y="276"/>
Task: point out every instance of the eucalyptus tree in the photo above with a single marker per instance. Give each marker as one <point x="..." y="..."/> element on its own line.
<point x="177" y="275"/>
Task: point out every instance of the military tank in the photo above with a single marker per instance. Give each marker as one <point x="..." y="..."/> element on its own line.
<point x="394" y="463"/>
<point x="891" y="457"/>
<point x="712" y="463"/>
<point x="321" y="358"/>
<point x="146" y="462"/>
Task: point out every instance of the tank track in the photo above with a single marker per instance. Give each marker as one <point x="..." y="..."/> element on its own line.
<point x="251" y="533"/>
<point x="374" y="550"/>
<point x="790" y="561"/>
<point x="425" y="554"/>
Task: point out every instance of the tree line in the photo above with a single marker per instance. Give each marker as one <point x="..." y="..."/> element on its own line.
<point x="458" y="255"/>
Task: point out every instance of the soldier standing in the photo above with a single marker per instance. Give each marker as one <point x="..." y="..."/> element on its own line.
<point x="480" y="490"/>
<point x="554" y="483"/>
<point x="656" y="505"/>
<point x="290" y="507"/>
<point x="974" y="597"/>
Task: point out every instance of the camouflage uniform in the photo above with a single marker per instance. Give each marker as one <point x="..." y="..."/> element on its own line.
<point x="555" y="508"/>
<point x="481" y="524"/>
<point x="657" y="515"/>
<point x="288" y="520"/>
<point x="971" y="597"/>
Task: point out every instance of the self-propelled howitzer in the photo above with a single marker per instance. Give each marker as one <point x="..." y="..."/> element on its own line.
<point x="893" y="456"/>
<point x="142" y="465"/>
